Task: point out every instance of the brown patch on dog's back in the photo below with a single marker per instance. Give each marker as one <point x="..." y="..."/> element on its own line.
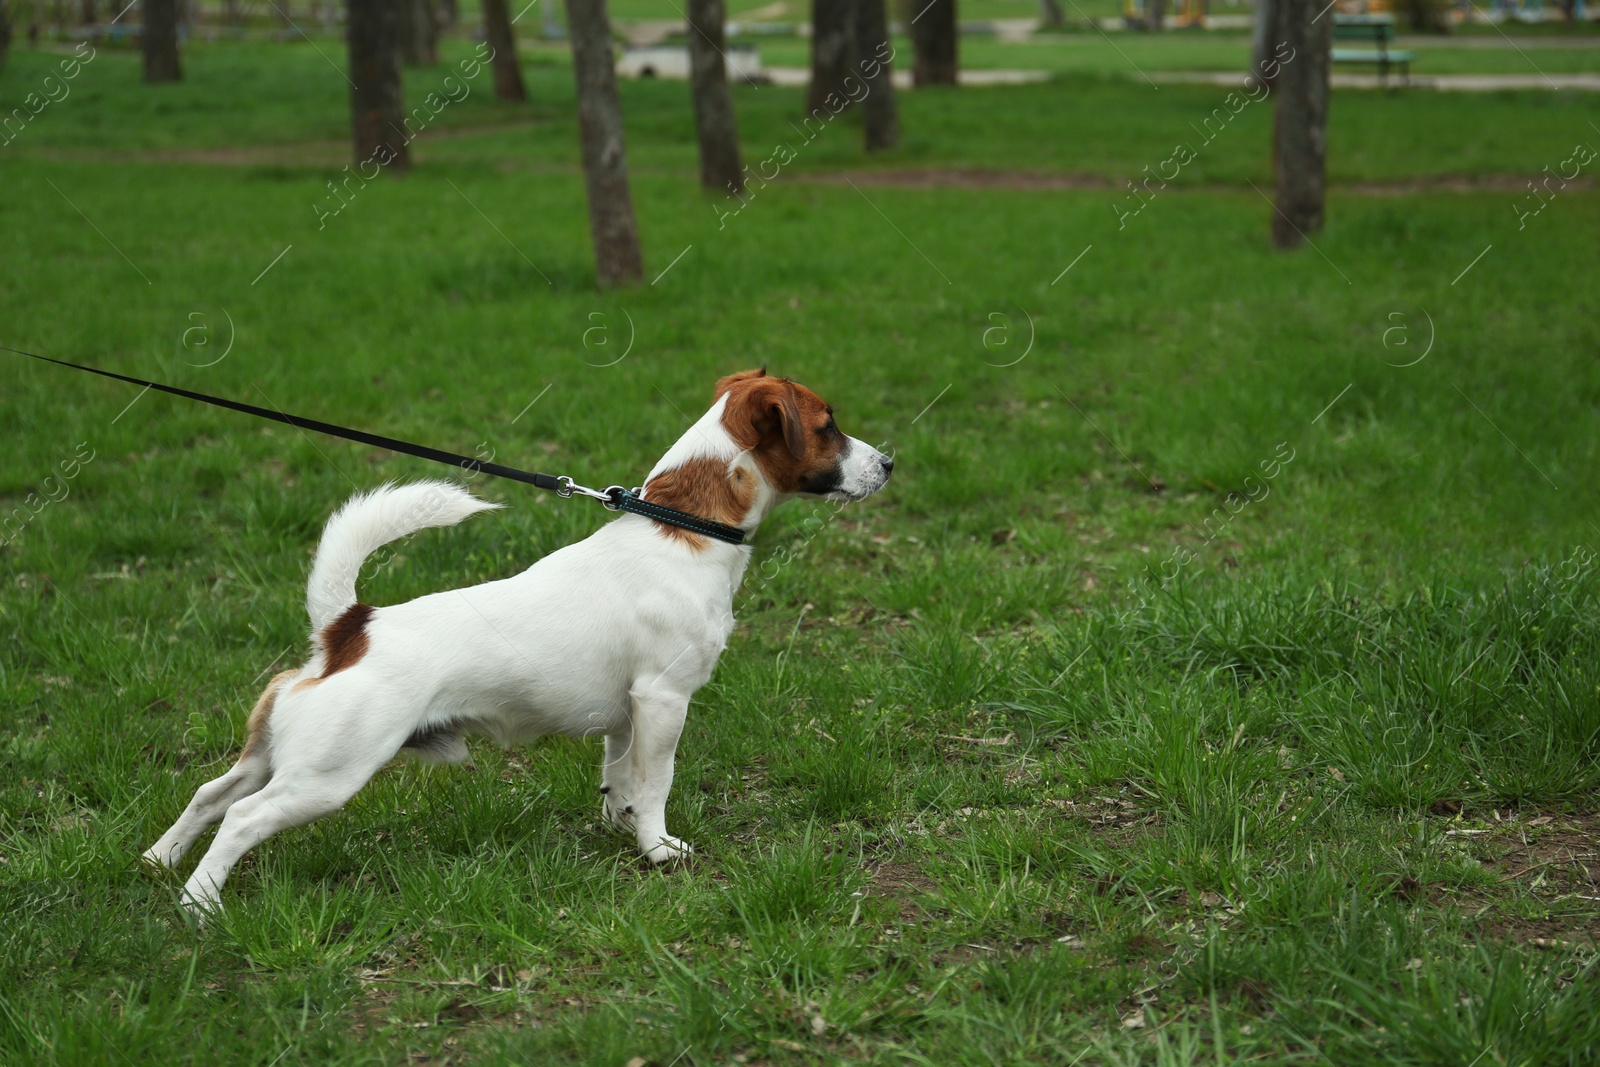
<point x="702" y="487"/>
<point x="788" y="428"/>
<point x="256" y="726"/>
<point x="344" y="640"/>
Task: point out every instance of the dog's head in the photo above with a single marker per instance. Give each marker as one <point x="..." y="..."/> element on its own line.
<point x="790" y="432"/>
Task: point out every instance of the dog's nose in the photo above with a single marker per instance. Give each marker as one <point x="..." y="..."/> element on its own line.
<point x="888" y="464"/>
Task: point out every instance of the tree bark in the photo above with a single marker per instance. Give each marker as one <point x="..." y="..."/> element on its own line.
<point x="450" y="13"/>
<point x="720" y="166"/>
<point x="933" y="42"/>
<point x="605" y="167"/>
<point x="1155" y="15"/>
<point x="419" y="34"/>
<point x="5" y="31"/>
<point x="377" y="109"/>
<point x="1426" y="16"/>
<point x="160" y="37"/>
<point x="1264" y="38"/>
<point x="86" y="13"/>
<point x="832" y="48"/>
<point x="1301" y="123"/>
<point x="1050" y="13"/>
<point x="503" y="40"/>
<point x="880" y="118"/>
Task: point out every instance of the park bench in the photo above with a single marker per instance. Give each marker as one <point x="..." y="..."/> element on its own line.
<point x="1378" y="29"/>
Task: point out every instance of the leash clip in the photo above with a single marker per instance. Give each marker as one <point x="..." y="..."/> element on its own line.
<point x="569" y="487"/>
<point x="610" y="497"/>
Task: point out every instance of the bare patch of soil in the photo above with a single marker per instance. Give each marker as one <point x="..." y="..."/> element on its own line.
<point x="901" y="883"/>
<point x="1116" y="818"/>
<point x="1551" y="857"/>
<point x="1552" y="854"/>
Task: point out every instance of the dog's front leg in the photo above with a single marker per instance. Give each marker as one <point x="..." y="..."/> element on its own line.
<point x="616" y="778"/>
<point x="658" y="716"/>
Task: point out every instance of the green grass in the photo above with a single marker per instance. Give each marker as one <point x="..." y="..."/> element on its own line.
<point x="1095" y="125"/>
<point x="972" y="784"/>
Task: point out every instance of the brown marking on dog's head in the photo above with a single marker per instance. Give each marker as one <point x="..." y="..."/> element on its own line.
<point x="344" y="640"/>
<point x="702" y="487"/>
<point x="256" y="725"/>
<point x="788" y="428"/>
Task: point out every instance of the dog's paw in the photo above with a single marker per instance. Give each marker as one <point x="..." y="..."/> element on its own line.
<point x="200" y="909"/>
<point x="669" y="850"/>
<point x="157" y="862"/>
<point x="617" y="814"/>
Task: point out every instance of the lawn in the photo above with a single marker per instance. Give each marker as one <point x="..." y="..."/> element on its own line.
<point x="1215" y="682"/>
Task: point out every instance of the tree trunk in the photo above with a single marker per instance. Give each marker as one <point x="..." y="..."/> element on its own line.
<point x="86" y="12"/>
<point x="720" y="168"/>
<point x="933" y="43"/>
<point x="1301" y="123"/>
<point x="832" y="48"/>
<point x="1155" y="15"/>
<point x="1050" y="13"/>
<point x="419" y="34"/>
<point x="1426" y="16"/>
<point x="377" y="109"/>
<point x="617" y="258"/>
<point x="1265" y="36"/>
<point x="160" y="37"/>
<point x="450" y="13"/>
<point x="880" y="118"/>
<point x="5" y="31"/>
<point x="503" y="40"/>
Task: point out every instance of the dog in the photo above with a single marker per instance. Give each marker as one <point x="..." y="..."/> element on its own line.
<point x="612" y="635"/>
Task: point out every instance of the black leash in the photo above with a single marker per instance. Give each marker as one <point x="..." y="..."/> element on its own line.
<point x="615" y="497"/>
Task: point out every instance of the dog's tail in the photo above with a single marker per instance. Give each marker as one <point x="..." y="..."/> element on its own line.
<point x="366" y="523"/>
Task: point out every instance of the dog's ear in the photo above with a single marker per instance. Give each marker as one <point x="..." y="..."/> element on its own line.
<point x="786" y="409"/>
<point x="764" y="410"/>
<point x="724" y="384"/>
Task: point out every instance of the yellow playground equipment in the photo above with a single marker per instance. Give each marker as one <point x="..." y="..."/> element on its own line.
<point x="1184" y="13"/>
<point x="1178" y="13"/>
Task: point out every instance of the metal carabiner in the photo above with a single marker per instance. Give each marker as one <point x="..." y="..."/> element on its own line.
<point x="569" y="487"/>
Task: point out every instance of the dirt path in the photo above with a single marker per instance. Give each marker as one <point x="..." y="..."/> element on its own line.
<point x="956" y="178"/>
<point x="324" y="154"/>
<point x="1459" y="83"/>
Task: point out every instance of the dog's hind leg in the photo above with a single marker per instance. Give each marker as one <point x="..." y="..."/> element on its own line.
<point x="212" y="800"/>
<point x="294" y="797"/>
<point x="326" y="745"/>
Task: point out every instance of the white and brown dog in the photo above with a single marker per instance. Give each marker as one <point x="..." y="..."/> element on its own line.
<point x="610" y="636"/>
